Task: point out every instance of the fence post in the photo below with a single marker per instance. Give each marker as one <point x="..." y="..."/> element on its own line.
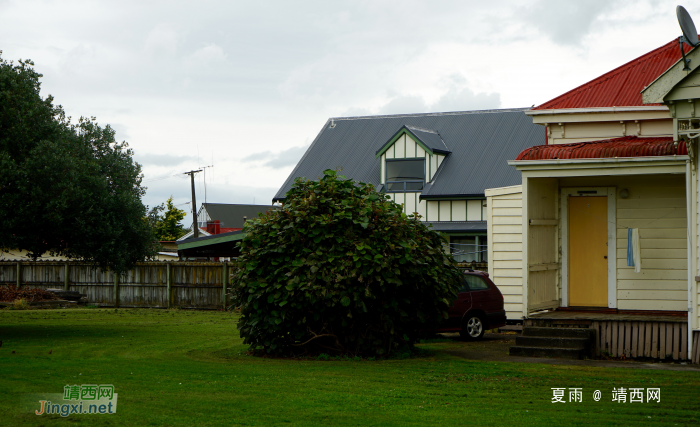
<point x="116" y="290"/>
<point x="169" y="281"/>
<point x="224" y="282"/>
<point x="19" y="275"/>
<point x="66" y="280"/>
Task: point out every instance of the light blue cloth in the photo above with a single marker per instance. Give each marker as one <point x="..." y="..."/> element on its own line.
<point x="634" y="252"/>
<point x="630" y="251"/>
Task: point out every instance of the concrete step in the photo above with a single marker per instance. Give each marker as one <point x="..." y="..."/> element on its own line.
<point x="562" y="353"/>
<point x="552" y="342"/>
<point x="531" y="331"/>
<point x="511" y="328"/>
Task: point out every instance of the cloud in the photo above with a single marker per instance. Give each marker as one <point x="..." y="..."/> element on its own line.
<point x="404" y="104"/>
<point x="161" y="41"/>
<point x="456" y="97"/>
<point x="281" y="159"/>
<point x="566" y="22"/>
<point x="120" y="133"/>
<point x="151" y="159"/>
<point x="464" y="100"/>
<point x="207" y="55"/>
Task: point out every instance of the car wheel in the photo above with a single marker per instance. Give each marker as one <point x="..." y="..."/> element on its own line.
<point x="473" y="327"/>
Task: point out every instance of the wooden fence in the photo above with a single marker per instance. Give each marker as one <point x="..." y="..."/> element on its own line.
<point x="158" y="284"/>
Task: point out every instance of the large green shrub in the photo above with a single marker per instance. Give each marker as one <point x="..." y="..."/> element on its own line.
<point x="340" y="269"/>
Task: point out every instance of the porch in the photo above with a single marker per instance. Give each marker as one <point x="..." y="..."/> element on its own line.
<point x="632" y="334"/>
<point x="577" y="215"/>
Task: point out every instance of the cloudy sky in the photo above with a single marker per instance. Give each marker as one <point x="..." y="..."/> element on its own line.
<point x="246" y="86"/>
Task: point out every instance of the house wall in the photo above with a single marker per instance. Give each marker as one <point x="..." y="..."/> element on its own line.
<point x="406" y="148"/>
<point x="541" y="258"/>
<point x="411" y="203"/>
<point x="580" y="127"/>
<point x="505" y="246"/>
<point x="656" y="205"/>
<point x="455" y="210"/>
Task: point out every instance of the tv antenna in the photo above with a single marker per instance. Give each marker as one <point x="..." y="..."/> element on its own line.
<point x="690" y="34"/>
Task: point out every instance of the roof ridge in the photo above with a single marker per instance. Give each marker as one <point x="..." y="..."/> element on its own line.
<point x="448" y="113"/>
<point x="422" y="129"/>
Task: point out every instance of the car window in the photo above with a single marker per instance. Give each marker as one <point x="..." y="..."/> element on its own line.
<point x="464" y="287"/>
<point x="475" y="283"/>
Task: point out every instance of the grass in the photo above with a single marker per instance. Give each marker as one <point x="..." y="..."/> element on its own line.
<point x="187" y="368"/>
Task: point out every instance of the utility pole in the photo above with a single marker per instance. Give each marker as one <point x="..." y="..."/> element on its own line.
<point x="195" y="228"/>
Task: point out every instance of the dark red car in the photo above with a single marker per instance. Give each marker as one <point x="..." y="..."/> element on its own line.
<point x="478" y="307"/>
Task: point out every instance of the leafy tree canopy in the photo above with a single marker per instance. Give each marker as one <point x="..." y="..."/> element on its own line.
<point x="66" y="189"/>
<point x="167" y="224"/>
<point x="340" y="269"/>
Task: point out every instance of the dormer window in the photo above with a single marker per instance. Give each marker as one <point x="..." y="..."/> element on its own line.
<point x="405" y="175"/>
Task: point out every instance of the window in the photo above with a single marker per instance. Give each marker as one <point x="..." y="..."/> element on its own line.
<point x="405" y="175"/>
<point x="475" y="283"/>
<point x="468" y="249"/>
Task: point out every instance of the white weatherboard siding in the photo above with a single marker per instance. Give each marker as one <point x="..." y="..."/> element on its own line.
<point x="656" y="206"/>
<point x="659" y="211"/>
<point x="505" y="245"/>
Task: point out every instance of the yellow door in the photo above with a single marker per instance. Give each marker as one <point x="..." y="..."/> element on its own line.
<point x="588" y="251"/>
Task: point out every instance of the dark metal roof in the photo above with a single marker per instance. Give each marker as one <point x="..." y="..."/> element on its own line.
<point x="481" y="143"/>
<point x="430" y="138"/>
<point x="231" y="216"/>
<point x="455" y="226"/>
<point x="627" y="146"/>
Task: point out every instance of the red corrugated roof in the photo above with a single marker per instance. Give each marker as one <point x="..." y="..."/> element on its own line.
<point x="228" y="230"/>
<point x="627" y="146"/>
<point x="622" y="86"/>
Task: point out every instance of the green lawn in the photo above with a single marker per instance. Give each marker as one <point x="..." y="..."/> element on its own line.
<point x="187" y="368"/>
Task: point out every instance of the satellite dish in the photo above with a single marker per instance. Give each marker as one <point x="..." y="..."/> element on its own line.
<point x="687" y="26"/>
<point x="690" y="34"/>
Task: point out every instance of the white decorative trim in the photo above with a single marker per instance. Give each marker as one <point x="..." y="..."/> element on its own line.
<point x="670" y="160"/>
<point x="596" y="110"/>
<point x="526" y="274"/>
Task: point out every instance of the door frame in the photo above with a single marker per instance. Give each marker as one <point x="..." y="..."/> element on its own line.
<point x="611" y="193"/>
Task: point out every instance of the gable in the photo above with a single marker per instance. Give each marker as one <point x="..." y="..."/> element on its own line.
<point x="686" y="88"/>
<point x="404" y="146"/>
<point x="428" y="140"/>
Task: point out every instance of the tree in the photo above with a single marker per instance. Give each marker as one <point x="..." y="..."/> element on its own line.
<point x="66" y="189"/>
<point x="167" y="226"/>
<point x="340" y="269"/>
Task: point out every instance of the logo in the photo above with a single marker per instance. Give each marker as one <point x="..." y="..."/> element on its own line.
<point x="85" y="399"/>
